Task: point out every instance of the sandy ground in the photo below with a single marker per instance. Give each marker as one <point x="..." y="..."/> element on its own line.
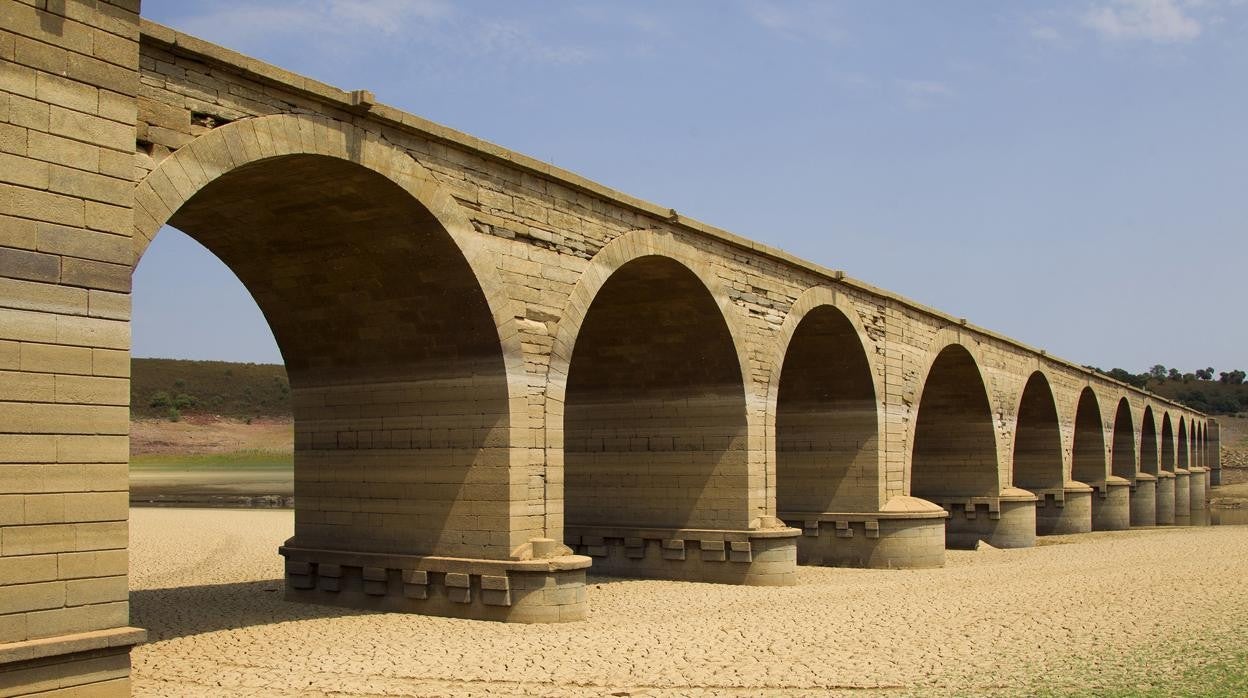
<point x="1102" y="610"/>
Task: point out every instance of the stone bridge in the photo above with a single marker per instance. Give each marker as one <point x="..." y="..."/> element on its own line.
<point x="504" y="375"/>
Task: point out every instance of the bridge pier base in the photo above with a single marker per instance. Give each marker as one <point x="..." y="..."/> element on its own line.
<point x="906" y="533"/>
<point x="1198" y="487"/>
<point x="1165" y="498"/>
<point x="1007" y="520"/>
<point x="95" y="663"/>
<point x="760" y="557"/>
<point x="1215" y="476"/>
<point x="1061" y="512"/>
<point x="1111" y="504"/>
<point x="1064" y="511"/>
<point x="1144" y="500"/>
<point x="544" y="590"/>
<point x="1182" y="497"/>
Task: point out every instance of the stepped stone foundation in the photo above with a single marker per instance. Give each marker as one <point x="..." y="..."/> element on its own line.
<point x="1064" y="511"/>
<point x="1165" y="498"/>
<point x="1144" y="500"/>
<point x="1111" y="504"/>
<point x="1182" y="496"/>
<point x="1004" y="521"/>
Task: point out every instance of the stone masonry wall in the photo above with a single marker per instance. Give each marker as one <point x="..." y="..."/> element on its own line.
<point x="67" y="123"/>
<point x="545" y="230"/>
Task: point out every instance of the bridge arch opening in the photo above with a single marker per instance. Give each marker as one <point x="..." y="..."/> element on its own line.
<point x="1123" y="454"/>
<point x="1089" y="466"/>
<point x="1038" y="463"/>
<point x="827" y="433"/>
<point x="1193" y="452"/>
<point x="1183" y="451"/>
<point x="1167" y="481"/>
<point x="399" y="391"/>
<point x="1150" y="458"/>
<point x="1204" y="444"/>
<point x="654" y="413"/>
<point x="1167" y="444"/>
<point x="954" y="453"/>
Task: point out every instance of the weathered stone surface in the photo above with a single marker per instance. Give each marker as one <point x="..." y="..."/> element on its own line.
<point x="490" y="355"/>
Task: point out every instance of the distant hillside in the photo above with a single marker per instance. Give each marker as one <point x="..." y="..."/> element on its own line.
<point x="1208" y="396"/>
<point x="173" y="388"/>
<point x="1199" y="389"/>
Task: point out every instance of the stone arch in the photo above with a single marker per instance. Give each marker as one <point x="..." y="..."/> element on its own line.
<point x="825" y="417"/>
<point x="1167" y="444"/>
<point x="953" y="450"/>
<point x="1200" y="444"/>
<point x="1038" y="461"/>
<point x="402" y="398"/>
<point x="1193" y="452"/>
<point x="646" y="397"/>
<point x="1089" y="464"/>
<point x="1204" y="444"/>
<point x="1150" y="457"/>
<point x="1182" y="452"/>
<point x="1123" y="454"/>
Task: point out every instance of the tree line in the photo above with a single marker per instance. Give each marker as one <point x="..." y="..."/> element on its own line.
<point x="1199" y="389"/>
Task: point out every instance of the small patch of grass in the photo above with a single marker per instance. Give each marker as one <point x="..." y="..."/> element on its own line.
<point x="235" y="460"/>
<point x="1213" y="672"/>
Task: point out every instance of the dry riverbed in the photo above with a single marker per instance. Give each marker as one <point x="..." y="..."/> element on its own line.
<point x="1089" y="614"/>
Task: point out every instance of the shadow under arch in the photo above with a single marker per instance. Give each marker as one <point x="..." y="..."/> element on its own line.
<point x="827" y="422"/>
<point x="1089" y="464"/>
<point x="1122" y="453"/>
<point x="647" y="400"/>
<point x="1038" y="463"/>
<point x="654" y="422"/>
<point x="1125" y="463"/>
<point x="1182" y="452"/>
<point x="1182" y="472"/>
<point x="825" y="432"/>
<point x="954" y="452"/>
<point x="1062" y="506"/>
<point x="1199" y="482"/>
<point x="954" y="461"/>
<point x="1111" y="496"/>
<point x="1150" y="457"/>
<point x="388" y="326"/>
<point x="1167" y="444"/>
<point x="1157" y="459"/>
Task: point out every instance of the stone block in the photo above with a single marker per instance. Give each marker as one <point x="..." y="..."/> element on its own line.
<point x="33" y="266"/>
<point x="329" y="577"/>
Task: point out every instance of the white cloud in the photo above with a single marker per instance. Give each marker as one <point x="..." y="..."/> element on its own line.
<point x="923" y="94"/>
<point x="1161" y="21"/>
<point x="243" y="23"/>
<point x="808" y="19"/>
<point x="510" y="37"/>
<point x="347" y="27"/>
<point x="387" y="16"/>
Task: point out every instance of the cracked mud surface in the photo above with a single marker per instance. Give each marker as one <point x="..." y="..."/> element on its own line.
<point x="1080" y="613"/>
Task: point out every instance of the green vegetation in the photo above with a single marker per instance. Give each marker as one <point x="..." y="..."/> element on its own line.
<point x="1211" y="669"/>
<point x="174" y="389"/>
<point x="1223" y="392"/>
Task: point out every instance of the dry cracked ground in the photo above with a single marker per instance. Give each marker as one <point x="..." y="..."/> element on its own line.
<point x="1081" y="614"/>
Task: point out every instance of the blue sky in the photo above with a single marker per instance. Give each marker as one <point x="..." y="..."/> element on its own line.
<point x="1071" y="174"/>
